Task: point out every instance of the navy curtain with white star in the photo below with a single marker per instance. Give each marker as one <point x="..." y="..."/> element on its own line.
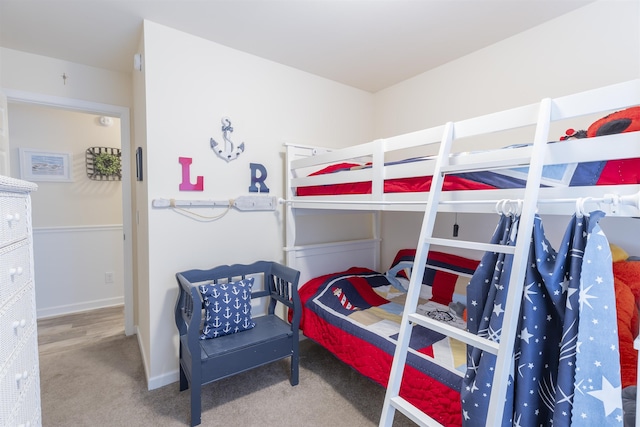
<point x="566" y="366"/>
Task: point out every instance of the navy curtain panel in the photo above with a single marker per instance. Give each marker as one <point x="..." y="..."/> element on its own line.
<point x="566" y="365"/>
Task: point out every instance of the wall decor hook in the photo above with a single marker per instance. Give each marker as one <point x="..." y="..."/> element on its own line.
<point x="227" y="151"/>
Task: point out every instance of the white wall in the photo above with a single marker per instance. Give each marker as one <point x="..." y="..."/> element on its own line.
<point x="21" y="71"/>
<point x="140" y="206"/>
<point x="40" y="78"/>
<point x="190" y="84"/>
<point x="77" y="226"/>
<point x="71" y="264"/>
<point x="83" y="201"/>
<point x="594" y="46"/>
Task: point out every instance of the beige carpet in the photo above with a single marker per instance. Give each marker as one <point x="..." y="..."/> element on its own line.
<point x="102" y="384"/>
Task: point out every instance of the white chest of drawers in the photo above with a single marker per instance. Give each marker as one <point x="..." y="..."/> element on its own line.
<point x="19" y="368"/>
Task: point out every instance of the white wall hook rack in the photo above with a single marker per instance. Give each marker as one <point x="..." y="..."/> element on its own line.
<point x="241" y="203"/>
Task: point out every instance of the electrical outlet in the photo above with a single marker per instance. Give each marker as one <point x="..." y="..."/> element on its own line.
<point x="108" y="277"/>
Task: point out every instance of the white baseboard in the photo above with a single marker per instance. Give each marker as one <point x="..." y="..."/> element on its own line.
<point x="163" y="380"/>
<point x="79" y="307"/>
<point x="160" y="380"/>
<point x="143" y="355"/>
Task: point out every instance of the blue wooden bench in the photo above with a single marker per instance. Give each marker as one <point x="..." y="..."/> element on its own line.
<point x="206" y="360"/>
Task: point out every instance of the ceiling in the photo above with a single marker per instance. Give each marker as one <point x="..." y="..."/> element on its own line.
<point x="367" y="44"/>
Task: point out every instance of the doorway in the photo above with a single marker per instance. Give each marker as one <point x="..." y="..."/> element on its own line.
<point x="122" y="113"/>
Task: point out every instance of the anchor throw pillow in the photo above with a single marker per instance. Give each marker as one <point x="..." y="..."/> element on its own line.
<point x="227" y="308"/>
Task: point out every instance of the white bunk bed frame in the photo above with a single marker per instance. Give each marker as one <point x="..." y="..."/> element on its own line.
<point x="315" y="260"/>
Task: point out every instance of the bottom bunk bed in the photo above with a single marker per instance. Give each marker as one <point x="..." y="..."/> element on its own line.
<point x="355" y="314"/>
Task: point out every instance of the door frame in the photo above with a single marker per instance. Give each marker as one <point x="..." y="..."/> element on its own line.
<point x="122" y="113"/>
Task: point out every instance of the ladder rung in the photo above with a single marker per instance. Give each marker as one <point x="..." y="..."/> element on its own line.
<point x="456" y="333"/>
<point x="415" y="414"/>
<point x="483" y="247"/>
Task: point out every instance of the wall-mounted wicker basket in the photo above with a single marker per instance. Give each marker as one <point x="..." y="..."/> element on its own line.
<point x="104" y="163"/>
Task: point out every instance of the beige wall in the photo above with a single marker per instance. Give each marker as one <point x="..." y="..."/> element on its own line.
<point x="83" y="201"/>
<point x="37" y="79"/>
<point x="594" y="46"/>
<point x="140" y="213"/>
<point x="77" y="225"/>
<point x="21" y="71"/>
<point x="189" y="84"/>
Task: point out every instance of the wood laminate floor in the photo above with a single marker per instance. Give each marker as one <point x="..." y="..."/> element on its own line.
<point x="75" y="330"/>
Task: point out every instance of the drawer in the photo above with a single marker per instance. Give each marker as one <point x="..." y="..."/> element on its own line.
<point x="27" y="413"/>
<point x="16" y="377"/>
<point x="14" y="217"/>
<point x="15" y="269"/>
<point x="18" y="318"/>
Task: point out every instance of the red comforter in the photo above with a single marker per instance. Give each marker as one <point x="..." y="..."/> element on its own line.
<point x="439" y="401"/>
<point x="612" y="172"/>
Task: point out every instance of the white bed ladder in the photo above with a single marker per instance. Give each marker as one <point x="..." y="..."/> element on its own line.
<point x="504" y="350"/>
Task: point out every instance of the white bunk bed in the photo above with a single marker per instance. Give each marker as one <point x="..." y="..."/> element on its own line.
<point x="534" y="125"/>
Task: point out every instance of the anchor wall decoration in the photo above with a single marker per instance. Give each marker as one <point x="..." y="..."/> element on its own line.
<point x="227" y="151"/>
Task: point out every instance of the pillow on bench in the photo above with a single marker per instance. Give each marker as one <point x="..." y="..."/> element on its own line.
<point x="227" y="308"/>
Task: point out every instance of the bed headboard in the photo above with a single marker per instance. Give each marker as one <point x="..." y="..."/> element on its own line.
<point x="316" y="260"/>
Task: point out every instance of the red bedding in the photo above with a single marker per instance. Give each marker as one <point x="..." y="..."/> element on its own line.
<point x="626" y="275"/>
<point x="612" y="172"/>
<point x="372" y="304"/>
<point x="435" y="399"/>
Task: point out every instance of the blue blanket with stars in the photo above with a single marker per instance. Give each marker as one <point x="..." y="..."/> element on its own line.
<point x="566" y="368"/>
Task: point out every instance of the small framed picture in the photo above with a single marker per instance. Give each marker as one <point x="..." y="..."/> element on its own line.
<point x="39" y="165"/>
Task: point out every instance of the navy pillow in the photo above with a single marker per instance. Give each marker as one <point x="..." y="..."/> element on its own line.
<point x="227" y="308"/>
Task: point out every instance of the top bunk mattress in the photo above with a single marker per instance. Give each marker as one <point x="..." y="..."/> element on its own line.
<point x="611" y="172"/>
